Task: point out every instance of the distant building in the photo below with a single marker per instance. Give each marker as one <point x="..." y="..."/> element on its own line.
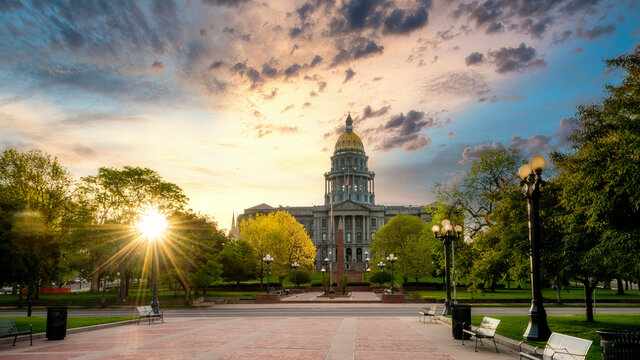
<point x="350" y="189"/>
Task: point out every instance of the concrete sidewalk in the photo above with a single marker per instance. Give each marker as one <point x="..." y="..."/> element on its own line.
<point x="262" y="338"/>
<point x="316" y="296"/>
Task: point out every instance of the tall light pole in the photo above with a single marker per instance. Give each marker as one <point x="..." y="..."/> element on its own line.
<point x="381" y="266"/>
<point x="268" y="260"/>
<point x="447" y="235"/>
<point x="531" y="174"/>
<point x="392" y="258"/>
<point x="295" y="266"/>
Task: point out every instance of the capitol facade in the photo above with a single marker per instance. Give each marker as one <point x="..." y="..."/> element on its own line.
<point x="349" y="193"/>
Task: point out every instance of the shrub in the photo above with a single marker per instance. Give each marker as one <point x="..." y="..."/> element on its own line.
<point x="344" y="281"/>
<point x="301" y="276"/>
<point x="374" y="276"/>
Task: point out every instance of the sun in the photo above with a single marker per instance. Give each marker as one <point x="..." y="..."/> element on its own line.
<point x="152" y="224"/>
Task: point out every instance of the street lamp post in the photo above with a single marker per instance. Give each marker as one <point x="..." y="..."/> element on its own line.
<point x="268" y="260"/>
<point x="104" y="289"/>
<point x="392" y="258"/>
<point x="447" y="235"/>
<point x="381" y="266"/>
<point x="531" y="174"/>
<point x="155" y="304"/>
<point x="295" y="266"/>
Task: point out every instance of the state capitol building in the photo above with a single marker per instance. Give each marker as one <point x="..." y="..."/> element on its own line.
<point x="349" y="187"/>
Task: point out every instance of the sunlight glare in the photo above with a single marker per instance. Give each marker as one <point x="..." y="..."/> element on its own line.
<point x="152" y="224"/>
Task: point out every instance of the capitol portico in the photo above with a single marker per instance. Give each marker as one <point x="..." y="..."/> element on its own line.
<point x="349" y="192"/>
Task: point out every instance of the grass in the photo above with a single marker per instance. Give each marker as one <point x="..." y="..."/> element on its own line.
<point x="573" y="293"/>
<point x="40" y="323"/>
<point x="513" y="327"/>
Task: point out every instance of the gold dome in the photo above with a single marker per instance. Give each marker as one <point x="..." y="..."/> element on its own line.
<point x="349" y="141"/>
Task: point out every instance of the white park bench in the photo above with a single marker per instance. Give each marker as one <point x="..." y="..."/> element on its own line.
<point x="486" y="330"/>
<point x="147" y="312"/>
<point x="560" y="347"/>
<point x="428" y="312"/>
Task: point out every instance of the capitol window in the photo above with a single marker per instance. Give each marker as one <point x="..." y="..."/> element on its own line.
<point x="324" y="237"/>
<point x="348" y="237"/>
<point x="324" y="223"/>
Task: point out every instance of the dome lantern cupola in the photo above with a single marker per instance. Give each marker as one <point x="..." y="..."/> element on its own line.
<point x="349" y="178"/>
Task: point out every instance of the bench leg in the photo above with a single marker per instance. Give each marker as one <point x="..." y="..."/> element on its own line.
<point x="14" y="340"/>
<point x="31" y="339"/>
<point x="494" y="343"/>
<point x="463" y="336"/>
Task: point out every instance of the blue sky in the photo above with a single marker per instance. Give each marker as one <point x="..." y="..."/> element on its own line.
<point x="241" y="102"/>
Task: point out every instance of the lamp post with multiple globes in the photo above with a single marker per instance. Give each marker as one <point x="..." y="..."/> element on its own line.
<point x="531" y="174"/>
<point x="392" y="258"/>
<point x="447" y="235"/>
<point x="268" y="260"/>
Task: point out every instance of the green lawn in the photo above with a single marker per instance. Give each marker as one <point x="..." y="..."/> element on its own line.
<point x="573" y="293"/>
<point x="575" y="325"/>
<point x="40" y="323"/>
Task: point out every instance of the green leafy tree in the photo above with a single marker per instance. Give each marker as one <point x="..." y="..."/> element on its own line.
<point x="35" y="194"/>
<point x="239" y="261"/>
<point x="404" y="236"/>
<point x="599" y="176"/>
<point x="112" y="202"/>
<point x="482" y="188"/>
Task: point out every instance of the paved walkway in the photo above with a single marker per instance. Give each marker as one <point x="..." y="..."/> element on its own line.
<point x="313" y="296"/>
<point x="267" y="338"/>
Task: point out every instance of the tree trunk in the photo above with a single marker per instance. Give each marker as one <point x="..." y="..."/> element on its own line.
<point x="558" y="294"/>
<point x="626" y="284"/>
<point x="20" y="296"/>
<point x="37" y="292"/>
<point x="95" y="280"/>
<point x="588" y="300"/>
<point x="123" y="274"/>
<point x="187" y="291"/>
<point x="620" y="286"/>
<point x="508" y="283"/>
<point x="127" y="284"/>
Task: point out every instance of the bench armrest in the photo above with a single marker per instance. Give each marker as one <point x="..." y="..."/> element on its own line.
<point x="535" y="349"/>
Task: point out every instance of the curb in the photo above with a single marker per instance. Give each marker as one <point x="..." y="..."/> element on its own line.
<point x="43" y="335"/>
<point x="502" y="340"/>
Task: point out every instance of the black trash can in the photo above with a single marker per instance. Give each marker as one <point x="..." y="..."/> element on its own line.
<point x="620" y="345"/>
<point x="56" y="322"/>
<point x="460" y="314"/>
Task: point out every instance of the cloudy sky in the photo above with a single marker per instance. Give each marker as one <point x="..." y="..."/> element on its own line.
<point x="241" y="102"/>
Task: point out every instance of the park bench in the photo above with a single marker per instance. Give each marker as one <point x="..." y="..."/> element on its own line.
<point x="486" y="330"/>
<point x="428" y="312"/>
<point x="8" y="329"/>
<point x="147" y="312"/>
<point x="560" y="347"/>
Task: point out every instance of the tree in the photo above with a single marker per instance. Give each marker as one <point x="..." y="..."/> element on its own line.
<point x="599" y="175"/>
<point x="239" y="261"/>
<point x="281" y="236"/>
<point x="190" y="251"/>
<point x="404" y="236"/>
<point x="35" y="196"/>
<point x="482" y="187"/>
<point x="112" y="202"/>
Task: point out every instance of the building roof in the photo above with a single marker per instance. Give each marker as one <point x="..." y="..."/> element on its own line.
<point x="262" y="206"/>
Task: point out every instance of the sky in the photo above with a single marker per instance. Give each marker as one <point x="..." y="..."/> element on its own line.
<point x="241" y="102"/>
